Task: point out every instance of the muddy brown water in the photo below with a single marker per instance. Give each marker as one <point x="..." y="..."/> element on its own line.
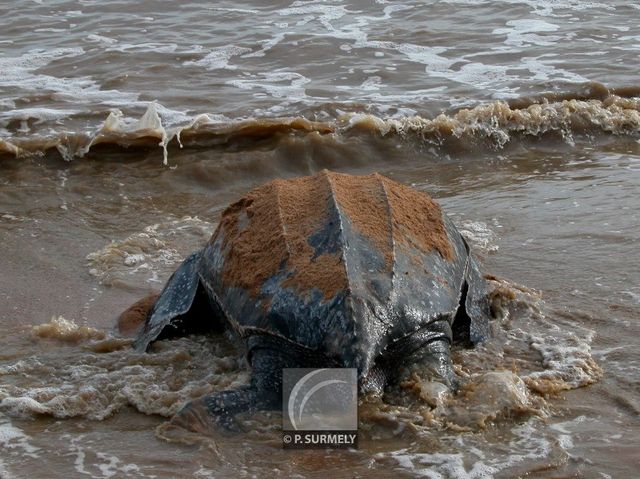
<point x="524" y="128"/>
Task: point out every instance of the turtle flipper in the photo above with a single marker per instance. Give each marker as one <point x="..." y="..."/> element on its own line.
<point x="426" y="351"/>
<point x="434" y="356"/>
<point x="219" y="410"/>
<point x="471" y="322"/>
<point x="476" y="303"/>
<point x="183" y="307"/>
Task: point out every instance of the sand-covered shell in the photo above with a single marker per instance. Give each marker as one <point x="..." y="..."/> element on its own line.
<point x="344" y="265"/>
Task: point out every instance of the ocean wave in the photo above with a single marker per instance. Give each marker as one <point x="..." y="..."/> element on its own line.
<point x="492" y="126"/>
<point x="497" y="124"/>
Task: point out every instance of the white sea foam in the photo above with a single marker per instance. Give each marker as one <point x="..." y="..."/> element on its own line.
<point x="142" y="255"/>
<point x="566" y="357"/>
<point x="552" y="8"/>
<point x="429" y="56"/>
<point x="526" y="444"/>
<point x="525" y="32"/>
<point x="112" y="466"/>
<point x="19" y="69"/>
<point x="218" y="58"/>
<point x="565" y="348"/>
<point x="565" y="428"/>
<point x="98" y="464"/>
<point x="147" y="47"/>
<point x="443" y="465"/>
<point x="104" y="40"/>
<point x="14" y="440"/>
<point x="278" y="84"/>
<point x="326" y="13"/>
<point x="479" y="235"/>
<point x="19" y="75"/>
<point x="267" y="45"/>
<point x="480" y="75"/>
<point x="83" y="383"/>
<point x="4" y="471"/>
<point x="235" y="10"/>
<point x="543" y="68"/>
<point x="38" y="114"/>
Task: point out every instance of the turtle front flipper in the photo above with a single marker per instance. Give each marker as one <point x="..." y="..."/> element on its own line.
<point x="183" y="307"/>
<point x="264" y="393"/>
<point x="218" y="411"/>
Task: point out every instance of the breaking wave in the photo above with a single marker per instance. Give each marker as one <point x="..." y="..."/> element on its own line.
<point x="491" y="126"/>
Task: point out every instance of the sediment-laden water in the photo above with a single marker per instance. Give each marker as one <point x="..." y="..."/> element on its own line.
<point x="126" y="127"/>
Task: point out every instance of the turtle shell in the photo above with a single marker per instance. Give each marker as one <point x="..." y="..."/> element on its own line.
<point x="344" y="265"/>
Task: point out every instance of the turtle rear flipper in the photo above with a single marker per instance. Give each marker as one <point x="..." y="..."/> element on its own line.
<point x="471" y="322"/>
<point x="182" y="308"/>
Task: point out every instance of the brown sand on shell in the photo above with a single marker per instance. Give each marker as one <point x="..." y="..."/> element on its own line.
<point x="280" y="217"/>
<point x="271" y="225"/>
<point x="392" y="215"/>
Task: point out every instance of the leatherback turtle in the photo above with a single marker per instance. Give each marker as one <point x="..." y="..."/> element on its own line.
<point x="330" y="270"/>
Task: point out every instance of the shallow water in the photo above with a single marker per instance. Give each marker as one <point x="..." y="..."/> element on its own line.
<point x="541" y="173"/>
